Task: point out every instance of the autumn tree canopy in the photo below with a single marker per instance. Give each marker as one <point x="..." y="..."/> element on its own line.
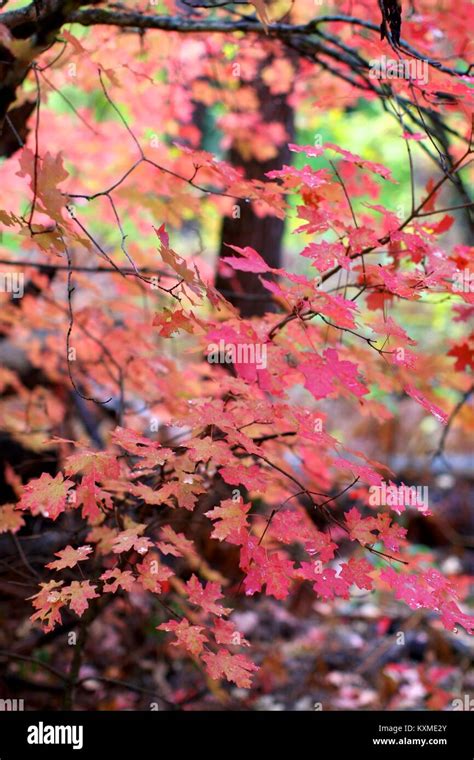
<point x="212" y="290"/>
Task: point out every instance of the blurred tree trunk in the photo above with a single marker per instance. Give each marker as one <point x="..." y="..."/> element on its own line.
<point x="244" y="289"/>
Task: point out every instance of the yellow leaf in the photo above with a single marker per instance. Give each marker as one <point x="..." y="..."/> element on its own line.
<point x="262" y="14"/>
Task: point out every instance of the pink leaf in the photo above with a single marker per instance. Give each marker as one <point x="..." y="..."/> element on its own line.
<point x="235" y="667"/>
<point x="69" y="557"/>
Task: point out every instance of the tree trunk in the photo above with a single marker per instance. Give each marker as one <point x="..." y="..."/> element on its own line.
<point x="244" y="289"/>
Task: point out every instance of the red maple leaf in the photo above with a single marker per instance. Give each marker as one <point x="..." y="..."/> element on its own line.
<point x="250" y="260"/>
<point x="177" y="544"/>
<point x="230" y="518"/>
<point x="46" y="495"/>
<point x="274" y="571"/>
<point x="290" y="526"/>
<point x="171" y="322"/>
<point x="361" y="528"/>
<point x="356" y="571"/>
<point x="92" y="499"/>
<point x="149" y="450"/>
<point x="78" y="594"/>
<point x="206" y="596"/>
<point x="326" y="583"/>
<point x="225" y="633"/>
<point x="131" y="539"/>
<point x="235" y="667"/>
<point x="47" y="603"/>
<point x="69" y="557"/>
<point x="188" y="636"/>
<point x="426" y="403"/>
<point x="100" y="464"/>
<point x="152" y="574"/>
<point x="117" y="578"/>
<point x="10" y="519"/>
<point x="390" y="533"/>
<point x="252" y="477"/>
<point x="464" y="354"/>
